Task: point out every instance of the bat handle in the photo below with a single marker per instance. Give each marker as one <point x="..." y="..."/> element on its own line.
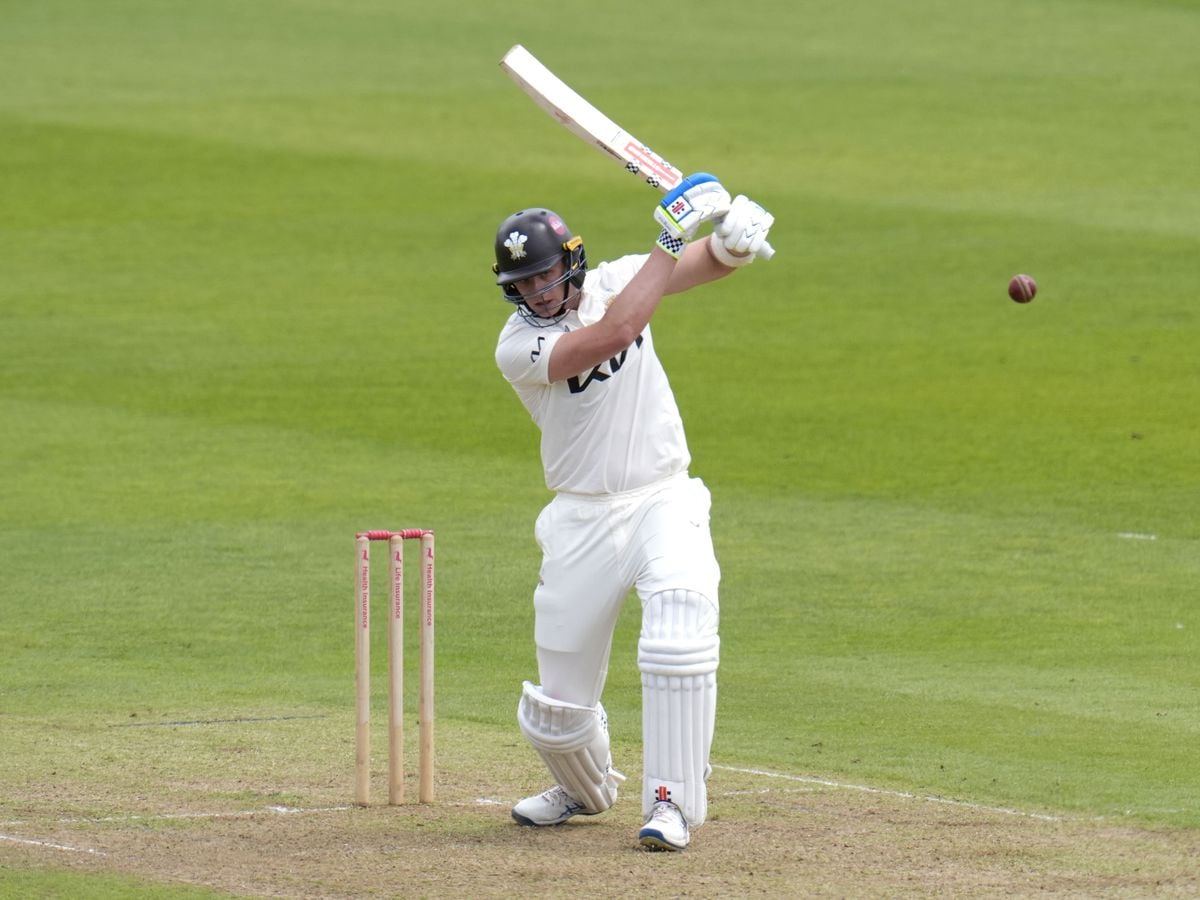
<point x="766" y="251"/>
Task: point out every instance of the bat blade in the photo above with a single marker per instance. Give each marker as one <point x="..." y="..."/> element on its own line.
<point x="586" y="122"/>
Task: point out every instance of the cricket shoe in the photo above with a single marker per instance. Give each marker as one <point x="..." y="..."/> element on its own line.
<point x="552" y="807"/>
<point x="665" y="828"/>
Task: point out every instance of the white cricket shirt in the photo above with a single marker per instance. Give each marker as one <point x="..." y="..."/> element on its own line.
<point x="613" y="428"/>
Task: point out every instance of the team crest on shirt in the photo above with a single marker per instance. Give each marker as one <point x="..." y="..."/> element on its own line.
<point x="516" y="244"/>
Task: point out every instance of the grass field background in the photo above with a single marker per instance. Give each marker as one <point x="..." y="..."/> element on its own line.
<point x="246" y="309"/>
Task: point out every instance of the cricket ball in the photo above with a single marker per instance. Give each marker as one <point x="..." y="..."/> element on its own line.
<point x="1022" y="288"/>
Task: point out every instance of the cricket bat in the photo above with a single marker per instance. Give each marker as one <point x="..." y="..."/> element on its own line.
<point x="590" y="125"/>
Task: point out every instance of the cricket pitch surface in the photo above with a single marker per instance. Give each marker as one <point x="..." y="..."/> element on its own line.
<point x="769" y="834"/>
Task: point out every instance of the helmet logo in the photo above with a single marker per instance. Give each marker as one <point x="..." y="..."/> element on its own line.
<point x="516" y="245"/>
<point x="557" y="224"/>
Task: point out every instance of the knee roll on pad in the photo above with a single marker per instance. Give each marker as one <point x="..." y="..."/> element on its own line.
<point x="678" y="654"/>
<point x="573" y="742"/>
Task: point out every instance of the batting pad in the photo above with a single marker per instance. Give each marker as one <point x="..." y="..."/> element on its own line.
<point x="573" y="742"/>
<point x="678" y="653"/>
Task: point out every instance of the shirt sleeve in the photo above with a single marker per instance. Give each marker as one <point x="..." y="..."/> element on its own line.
<point x="523" y="354"/>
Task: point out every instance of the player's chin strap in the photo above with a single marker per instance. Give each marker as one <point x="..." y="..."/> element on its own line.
<point x="545" y="321"/>
<point x="539" y="321"/>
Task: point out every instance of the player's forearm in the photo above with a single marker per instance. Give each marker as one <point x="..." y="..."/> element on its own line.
<point x="697" y="199"/>
<point x="630" y="311"/>
<point x="696" y="266"/>
<point x="626" y="318"/>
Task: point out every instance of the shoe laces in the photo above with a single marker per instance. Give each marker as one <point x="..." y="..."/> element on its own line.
<point x="665" y="811"/>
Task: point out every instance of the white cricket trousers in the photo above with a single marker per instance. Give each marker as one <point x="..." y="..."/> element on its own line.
<point x="595" y="549"/>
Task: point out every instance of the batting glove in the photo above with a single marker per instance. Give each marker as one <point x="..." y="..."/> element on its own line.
<point x="696" y="200"/>
<point x="739" y="236"/>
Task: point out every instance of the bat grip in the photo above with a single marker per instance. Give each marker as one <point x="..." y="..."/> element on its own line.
<point x="766" y="251"/>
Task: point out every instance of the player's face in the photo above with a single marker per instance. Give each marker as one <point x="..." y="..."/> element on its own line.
<point x="540" y="293"/>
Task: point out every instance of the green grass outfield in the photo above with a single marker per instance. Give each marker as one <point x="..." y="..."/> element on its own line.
<point x="246" y="309"/>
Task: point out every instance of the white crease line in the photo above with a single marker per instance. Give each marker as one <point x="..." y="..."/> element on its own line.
<point x="805" y="779"/>
<point x="237" y="814"/>
<point x="159" y="817"/>
<point x="50" y="845"/>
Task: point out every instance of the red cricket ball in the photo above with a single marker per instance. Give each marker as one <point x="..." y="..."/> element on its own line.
<point x="1022" y="288"/>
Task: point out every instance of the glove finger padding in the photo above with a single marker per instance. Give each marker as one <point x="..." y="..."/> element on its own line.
<point x="697" y="199"/>
<point x="742" y="233"/>
<point x="732" y="221"/>
<point x="750" y="223"/>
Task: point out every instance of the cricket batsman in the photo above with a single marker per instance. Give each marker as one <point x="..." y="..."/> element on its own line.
<point x="626" y="513"/>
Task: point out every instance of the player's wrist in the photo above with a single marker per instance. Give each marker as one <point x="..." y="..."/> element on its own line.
<point x="670" y="244"/>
